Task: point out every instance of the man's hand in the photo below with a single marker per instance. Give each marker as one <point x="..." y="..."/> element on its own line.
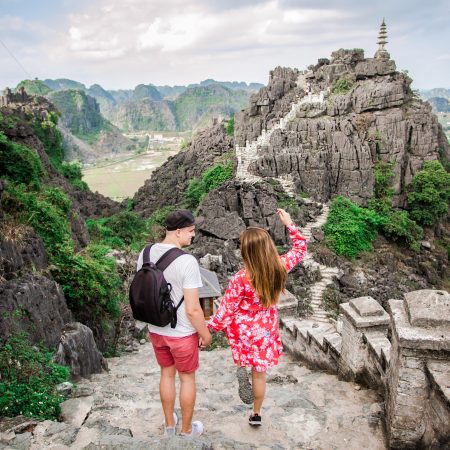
<point x="204" y="341"/>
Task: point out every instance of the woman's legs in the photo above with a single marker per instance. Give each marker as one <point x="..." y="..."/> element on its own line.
<point x="259" y="389"/>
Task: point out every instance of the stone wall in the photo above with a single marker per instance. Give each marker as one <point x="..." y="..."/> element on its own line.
<point x="404" y="353"/>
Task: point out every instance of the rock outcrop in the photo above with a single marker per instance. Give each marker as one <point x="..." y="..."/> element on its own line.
<point x="366" y="112"/>
<point x="35" y="304"/>
<point x="170" y="181"/>
<point x="78" y="350"/>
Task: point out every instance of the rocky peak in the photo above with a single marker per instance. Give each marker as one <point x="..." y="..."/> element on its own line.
<point x="325" y="128"/>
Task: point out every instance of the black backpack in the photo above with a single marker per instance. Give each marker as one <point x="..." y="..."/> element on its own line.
<point x="150" y="293"/>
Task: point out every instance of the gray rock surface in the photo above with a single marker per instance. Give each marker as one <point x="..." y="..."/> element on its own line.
<point x="15" y="255"/>
<point x="303" y="409"/>
<point x="35" y="304"/>
<point x="331" y="147"/>
<point x="78" y="350"/>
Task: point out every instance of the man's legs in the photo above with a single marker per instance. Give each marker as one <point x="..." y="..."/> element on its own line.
<point x="187" y="400"/>
<point x="259" y="389"/>
<point x="167" y="393"/>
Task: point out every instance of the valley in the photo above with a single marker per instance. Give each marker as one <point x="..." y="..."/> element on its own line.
<point x="120" y="177"/>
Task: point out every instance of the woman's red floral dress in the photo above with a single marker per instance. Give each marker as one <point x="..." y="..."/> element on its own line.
<point x="252" y="330"/>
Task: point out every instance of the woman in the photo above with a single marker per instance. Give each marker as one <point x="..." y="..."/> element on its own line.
<point x="248" y="311"/>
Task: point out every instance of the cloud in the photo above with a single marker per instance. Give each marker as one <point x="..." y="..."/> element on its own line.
<point x="119" y="43"/>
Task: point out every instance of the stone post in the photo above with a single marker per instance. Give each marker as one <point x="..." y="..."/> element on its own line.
<point x="420" y="352"/>
<point x="360" y="317"/>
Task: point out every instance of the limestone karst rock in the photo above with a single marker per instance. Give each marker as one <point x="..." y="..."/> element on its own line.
<point x="78" y="350"/>
<point x="367" y="111"/>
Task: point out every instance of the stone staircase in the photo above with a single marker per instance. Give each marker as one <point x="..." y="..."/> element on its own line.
<point x="319" y="315"/>
<point x="246" y="155"/>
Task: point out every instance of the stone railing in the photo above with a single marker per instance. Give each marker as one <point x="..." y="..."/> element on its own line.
<point x="404" y="353"/>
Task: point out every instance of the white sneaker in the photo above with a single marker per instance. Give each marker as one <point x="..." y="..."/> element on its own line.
<point x="197" y="429"/>
<point x="170" y="431"/>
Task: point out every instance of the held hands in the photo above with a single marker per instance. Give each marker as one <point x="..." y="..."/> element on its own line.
<point x="284" y="217"/>
<point x="204" y="341"/>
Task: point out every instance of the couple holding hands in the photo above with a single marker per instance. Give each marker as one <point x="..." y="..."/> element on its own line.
<point x="247" y="314"/>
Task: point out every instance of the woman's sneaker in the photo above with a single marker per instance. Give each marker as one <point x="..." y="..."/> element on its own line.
<point x="245" y="388"/>
<point x="254" y="420"/>
<point x="197" y="429"/>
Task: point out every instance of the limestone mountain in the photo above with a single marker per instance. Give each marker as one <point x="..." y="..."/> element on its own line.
<point x="169" y="108"/>
<point x="34" y="87"/>
<point x="81" y="116"/>
<point x="318" y="133"/>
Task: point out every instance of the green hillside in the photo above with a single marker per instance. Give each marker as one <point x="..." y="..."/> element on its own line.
<point x="34" y="87"/>
<point x="80" y="114"/>
<point x="199" y="104"/>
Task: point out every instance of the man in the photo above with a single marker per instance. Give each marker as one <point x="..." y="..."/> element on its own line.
<point x="176" y="349"/>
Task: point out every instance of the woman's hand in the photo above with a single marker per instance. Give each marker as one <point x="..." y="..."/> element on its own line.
<point x="284" y="217"/>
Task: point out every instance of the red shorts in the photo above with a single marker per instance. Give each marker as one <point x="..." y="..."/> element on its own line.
<point x="179" y="351"/>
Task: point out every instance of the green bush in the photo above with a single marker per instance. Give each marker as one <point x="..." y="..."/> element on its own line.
<point x="28" y="380"/>
<point x="19" y="163"/>
<point x="350" y="229"/>
<point x="72" y="171"/>
<point x="399" y="227"/>
<point x="210" y="179"/>
<point x="51" y="139"/>
<point x="47" y="211"/>
<point x="122" y="229"/>
<point x="89" y="280"/>
<point x="342" y="85"/>
<point x="230" y="126"/>
<point x="99" y="232"/>
<point x="429" y="194"/>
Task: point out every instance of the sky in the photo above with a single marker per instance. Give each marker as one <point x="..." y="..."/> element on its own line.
<point x="121" y="43"/>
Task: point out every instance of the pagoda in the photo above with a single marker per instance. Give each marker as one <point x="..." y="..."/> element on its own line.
<point x="382" y="53"/>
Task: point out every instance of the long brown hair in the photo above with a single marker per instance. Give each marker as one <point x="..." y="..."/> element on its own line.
<point x="265" y="270"/>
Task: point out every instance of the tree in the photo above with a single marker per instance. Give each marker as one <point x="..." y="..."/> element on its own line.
<point x="429" y="194"/>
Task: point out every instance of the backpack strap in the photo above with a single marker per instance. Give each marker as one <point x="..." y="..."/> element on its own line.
<point x="168" y="258"/>
<point x="164" y="262"/>
<point x="146" y="254"/>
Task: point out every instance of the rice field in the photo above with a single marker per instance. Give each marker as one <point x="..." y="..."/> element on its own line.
<point x="122" y="177"/>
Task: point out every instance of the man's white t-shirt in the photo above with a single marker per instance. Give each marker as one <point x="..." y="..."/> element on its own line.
<point x="183" y="273"/>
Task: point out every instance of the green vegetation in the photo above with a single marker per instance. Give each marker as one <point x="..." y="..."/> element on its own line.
<point x="429" y="194"/>
<point x="342" y="85"/>
<point x="125" y="228"/>
<point x="19" y="163"/>
<point x="200" y="104"/>
<point x="209" y="180"/>
<point x="28" y="380"/>
<point x="72" y="171"/>
<point x="230" y="126"/>
<point x="350" y="229"/>
<point x="88" y="278"/>
<point x="51" y="138"/>
<point x="34" y="87"/>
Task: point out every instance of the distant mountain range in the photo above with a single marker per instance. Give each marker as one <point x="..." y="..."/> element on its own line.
<point x="156" y="108"/>
<point x="438" y="97"/>
<point x="94" y="114"/>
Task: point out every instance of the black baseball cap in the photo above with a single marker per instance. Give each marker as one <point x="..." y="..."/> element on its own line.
<point x="181" y="218"/>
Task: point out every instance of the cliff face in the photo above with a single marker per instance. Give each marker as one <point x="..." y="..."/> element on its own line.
<point x="31" y="300"/>
<point x="169" y="182"/>
<point x="351" y="112"/>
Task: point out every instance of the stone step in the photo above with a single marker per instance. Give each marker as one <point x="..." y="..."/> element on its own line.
<point x="334" y="341"/>
<point x="378" y="342"/>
